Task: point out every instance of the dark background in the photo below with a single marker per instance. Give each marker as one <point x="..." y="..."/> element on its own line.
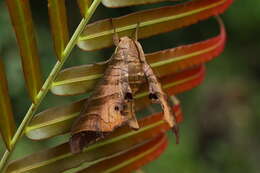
<point x="220" y="130"/>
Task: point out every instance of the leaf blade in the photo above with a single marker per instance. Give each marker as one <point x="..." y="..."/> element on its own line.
<point x="59" y="158"/>
<point x="125" y="3"/>
<point x="62" y="117"/>
<point x="21" y="18"/>
<point x="151" y="22"/>
<point x="83" y="6"/>
<point x="189" y="55"/>
<point x="47" y="124"/>
<point x="133" y="159"/>
<point x="81" y="79"/>
<point x="7" y="123"/>
<point x="59" y="26"/>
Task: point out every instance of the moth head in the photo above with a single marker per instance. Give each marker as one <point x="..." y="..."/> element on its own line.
<point x="125" y="39"/>
<point x="125" y="42"/>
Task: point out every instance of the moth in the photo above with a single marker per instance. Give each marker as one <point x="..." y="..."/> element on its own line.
<point x="111" y="104"/>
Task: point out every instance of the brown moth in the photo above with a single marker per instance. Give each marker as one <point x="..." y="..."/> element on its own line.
<point x="111" y="104"/>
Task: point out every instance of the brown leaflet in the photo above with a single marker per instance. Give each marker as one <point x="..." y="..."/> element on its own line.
<point x="111" y="103"/>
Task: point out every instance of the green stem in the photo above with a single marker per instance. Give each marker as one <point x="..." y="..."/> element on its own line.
<point x="47" y="84"/>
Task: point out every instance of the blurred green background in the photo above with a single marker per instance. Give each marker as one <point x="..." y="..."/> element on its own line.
<point x="221" y="117"/>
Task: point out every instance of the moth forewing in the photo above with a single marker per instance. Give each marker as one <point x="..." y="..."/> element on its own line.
<point x="111" y="103"/>
<point x="157" y="94"/>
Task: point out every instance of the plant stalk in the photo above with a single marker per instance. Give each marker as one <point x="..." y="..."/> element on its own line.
<point x="47" y="84"/>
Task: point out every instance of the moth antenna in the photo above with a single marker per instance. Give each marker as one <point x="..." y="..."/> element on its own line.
<point x="115" y="34"/>
<point x="136" y="31"/>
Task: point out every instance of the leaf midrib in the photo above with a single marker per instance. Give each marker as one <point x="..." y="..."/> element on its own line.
<point x="147" y="23"/>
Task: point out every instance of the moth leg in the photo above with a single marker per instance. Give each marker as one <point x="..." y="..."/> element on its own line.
<point x="157" y="95"/>
<point x="115" y="35"/>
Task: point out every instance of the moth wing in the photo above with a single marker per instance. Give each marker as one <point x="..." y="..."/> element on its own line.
<point x="100" y="115"/>
<point x="155" y="89"/>
<point x="91" y="126"/>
